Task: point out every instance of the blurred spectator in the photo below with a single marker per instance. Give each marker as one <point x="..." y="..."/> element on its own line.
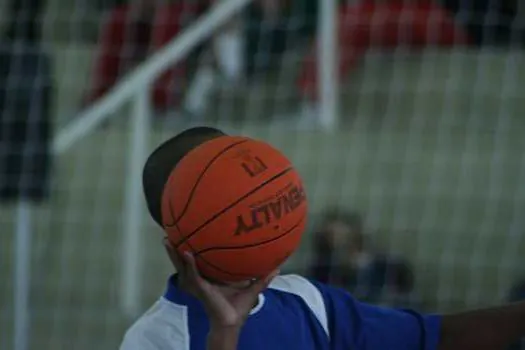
<point x="383" y="24"/>
<point x="221" y="61"/>
<point x="271" y="31"/>
<point x="330" y="234"/>
<point x="25" y="105"/>
<point x="490" y="22"/>
<point x="133" y="32"/>
<point x="249" y="44"/>
<point x="517" y="293"/>
<point x="343" y="258"/>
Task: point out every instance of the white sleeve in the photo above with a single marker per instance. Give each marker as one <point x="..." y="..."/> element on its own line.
<point x="309" y="293"/>
<point x="163" y="327"/>
<point x="138" y="341"/>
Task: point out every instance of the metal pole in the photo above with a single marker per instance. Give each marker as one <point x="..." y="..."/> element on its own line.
<point x="328" y="63"/>
<point x="133" y="217"/>
<point x="22" y="266"/>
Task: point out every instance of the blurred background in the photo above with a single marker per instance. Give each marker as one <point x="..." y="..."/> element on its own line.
<point x="407" y="126"/>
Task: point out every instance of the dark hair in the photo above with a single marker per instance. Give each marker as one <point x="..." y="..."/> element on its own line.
<point x="163" y="160"/>
<point x="402" y="277"/>
<point x="517" y="292"/>
<point x="322" y="266"/>
<point x="352" y="219"/>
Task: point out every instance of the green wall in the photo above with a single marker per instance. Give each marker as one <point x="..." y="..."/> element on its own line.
<point x="431" y="150"/>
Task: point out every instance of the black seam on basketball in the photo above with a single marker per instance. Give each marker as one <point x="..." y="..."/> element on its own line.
<point x="237" y="201"/>
<point x="221" y="270"/>
<point x="177" y="244"/>
<point x="213" y="265"/>
<point x="251" y="244"/>
<point x="192" y="251"/>
<point x="194" y="188"/>
<point x="172" y="218"/>
<point x="209" y="263"/>
<point x="199" y="254"/>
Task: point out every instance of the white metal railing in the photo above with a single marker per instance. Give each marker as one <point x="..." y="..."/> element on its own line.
<point x="136" y="87"/>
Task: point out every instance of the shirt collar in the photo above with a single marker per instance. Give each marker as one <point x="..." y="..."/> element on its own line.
<point x="177" y="296"/>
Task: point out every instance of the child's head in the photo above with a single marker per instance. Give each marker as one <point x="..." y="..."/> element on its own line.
<point x="237" y="204"/>
<point x="164" y="159"/>
<point x="159" y="166"/>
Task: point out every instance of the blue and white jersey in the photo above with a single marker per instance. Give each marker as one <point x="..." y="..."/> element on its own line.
<point x="292" y="314"/>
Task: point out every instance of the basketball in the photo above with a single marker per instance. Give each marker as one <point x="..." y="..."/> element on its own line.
<point x="238" y="205"/>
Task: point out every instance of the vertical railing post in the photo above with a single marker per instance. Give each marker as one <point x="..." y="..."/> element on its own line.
<point x="133" y="215"/>
<point x="328" y="63"/>
<point x="22" y="276"/>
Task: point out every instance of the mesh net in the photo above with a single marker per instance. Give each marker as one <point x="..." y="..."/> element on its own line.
<point x="430" y="147"/>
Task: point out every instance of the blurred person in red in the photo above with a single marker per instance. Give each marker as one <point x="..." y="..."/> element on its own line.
<point x="385" y="24"/>
<point x="133" y="32"/>
<point x="343" y="257"/>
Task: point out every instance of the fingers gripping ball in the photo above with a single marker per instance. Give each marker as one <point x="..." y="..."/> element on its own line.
<point x="238" y="205"/>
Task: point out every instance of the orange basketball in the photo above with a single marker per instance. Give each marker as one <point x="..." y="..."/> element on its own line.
<point x="238" y="205"/>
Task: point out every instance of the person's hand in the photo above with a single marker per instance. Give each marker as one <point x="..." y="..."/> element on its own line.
<point x="227" y="307"/>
